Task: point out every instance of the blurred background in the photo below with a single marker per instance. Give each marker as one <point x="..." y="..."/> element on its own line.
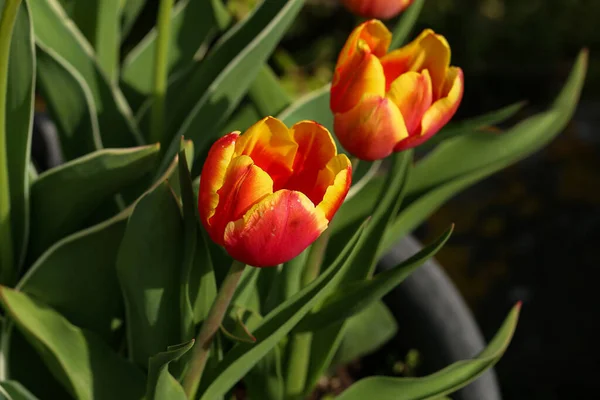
<point x="531" y="232"/>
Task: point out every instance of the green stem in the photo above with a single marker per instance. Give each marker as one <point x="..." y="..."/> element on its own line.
<point x="300" y="344"/>
<point x="157" y="128"/>
<point x="210" y="326"/>
<point x="7" y="23"/>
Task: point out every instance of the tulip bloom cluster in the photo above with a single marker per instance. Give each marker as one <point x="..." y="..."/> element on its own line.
<point x="391" y="101"/>
<point x="383" y="9"/>
<point x="267" y="194"/>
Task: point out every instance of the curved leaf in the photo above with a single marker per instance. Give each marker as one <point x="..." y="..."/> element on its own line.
<point x="62" y="198"/>
<point x="441" y="383"/>
<point x="267" y="94"/>
<point x="71" y="108"/>
<point x="77" y="277"/>
<point x="19" y="117"/>
<point x="149" y="270"/>
<point x="54" y="30"/>
<point x="405" y="24"/>
<point x="225" y="74"/>
<point x="161" y="384"/>
<point x="130" y="12"/>
<point x="82" y="362"/>
<point x="13" y="390"/>
<point x="193" y="23"/>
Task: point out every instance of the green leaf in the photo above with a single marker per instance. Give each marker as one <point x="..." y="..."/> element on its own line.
<point x="351" y="299"/>
<point x="161" y="384"/>
<point x="458" y="163"/>
<point x="225" y="74"/>
<point x="149" y="270"/>
<point x="366" y="332"/>
<point x="130" y="12"/>
<point x="244" y="117"/>
<point x="54" y="30"/>
<point x="12" y="390"/>
<point x="62" y="198"/>
<point x="265" y="381"/>
<point x="276" y="325"/>
<point x="193" y="23"/>
<point x="71" y="108"/>
<point x="19" y="117"/>
<point x="405" y="24"/>
<point x="82" y="362"/>
<point x="98" y="20"/>
<point x="440" y="383"/>
<point x="267" y="94"/>
<point x="88" y="297"/>
<point x="454" y="129"/>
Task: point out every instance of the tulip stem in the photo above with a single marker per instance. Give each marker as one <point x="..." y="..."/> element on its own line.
<point x="161" y="72"/>
<point x="300" y="344"/>
<point x="210" y="326"/>
<point x="7" y="23"/>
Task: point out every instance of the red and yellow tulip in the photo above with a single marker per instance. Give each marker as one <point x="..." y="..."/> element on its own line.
<point x="391" y="101"/>
<point x="267" y="194"/>
<point x="382" y="9"/>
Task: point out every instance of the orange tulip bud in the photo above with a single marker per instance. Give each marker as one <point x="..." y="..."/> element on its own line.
<point x="268" y="194"/>
<point x="382" y="9"/>
<point x="391" y="101"/>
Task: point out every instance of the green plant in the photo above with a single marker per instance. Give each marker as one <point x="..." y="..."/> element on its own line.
<point x="106" y="273"/>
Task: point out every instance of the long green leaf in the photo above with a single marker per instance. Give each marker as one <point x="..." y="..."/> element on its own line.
<point x="441" y="383"/>
<point x="366" y="332"/>
<point x="130" y="12"/>
<point x="193" y="23"/>
<point x="149" y="270"/>
<point x="19" y="112"/>
<point x="405" y="24"/>
<point x="267" y="94"/>
<point x="54" y="30"/>
<point x="161" y="384"/>
<point x="13" y="390"/>
<point x="98" y="20"/>
<point x="276" y="325"/>
<point x="82" y="362"/>
<point x="226" y="74"/>
<point x="62" y="198"/>
<point x="77" y="277"/>
<point x="72" y="107"/>
<point x="462" y="161"/>
<point x="349" y="300"/>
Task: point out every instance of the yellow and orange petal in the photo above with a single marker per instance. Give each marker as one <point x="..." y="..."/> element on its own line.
<point x="440" y="112"/>
<point x="270" y="145"/>
<point x="332" y="184"/>
<point x="429" y="51"/>
<point x="315" y="149"/>
<point x="372" y="36"/>
<point x="275" y="230"/>
<point x="245" y="184"/>
<point x="366" y="78"/>
<point x="382" y="9"/>
<point x="213" y="174"/>
<point x="370" y="130"/>
<point x="411" y="92"/>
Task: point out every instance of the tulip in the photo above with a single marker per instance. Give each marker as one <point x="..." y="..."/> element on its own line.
<point x="391" y="101"/>
<point x="383" y="9"/>
<point x="268" y="194"/>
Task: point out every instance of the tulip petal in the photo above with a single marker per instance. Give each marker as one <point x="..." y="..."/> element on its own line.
<point x="275" y="230"/>
<point x="270" y="145"/>
<point x="315" y="148"/>
<point x="373" y="34"/>
<point x="411" y="92"/>
<point x="213" y="174"/>
<point x="383" y="9"/>
<point x="370" y="130"/>
<point x="334" y="181"/>
<point x="440" y="112"/>
<point x="245" y="185"/>
<point x="366" y="78"/>
<point x="429" y="51"/>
